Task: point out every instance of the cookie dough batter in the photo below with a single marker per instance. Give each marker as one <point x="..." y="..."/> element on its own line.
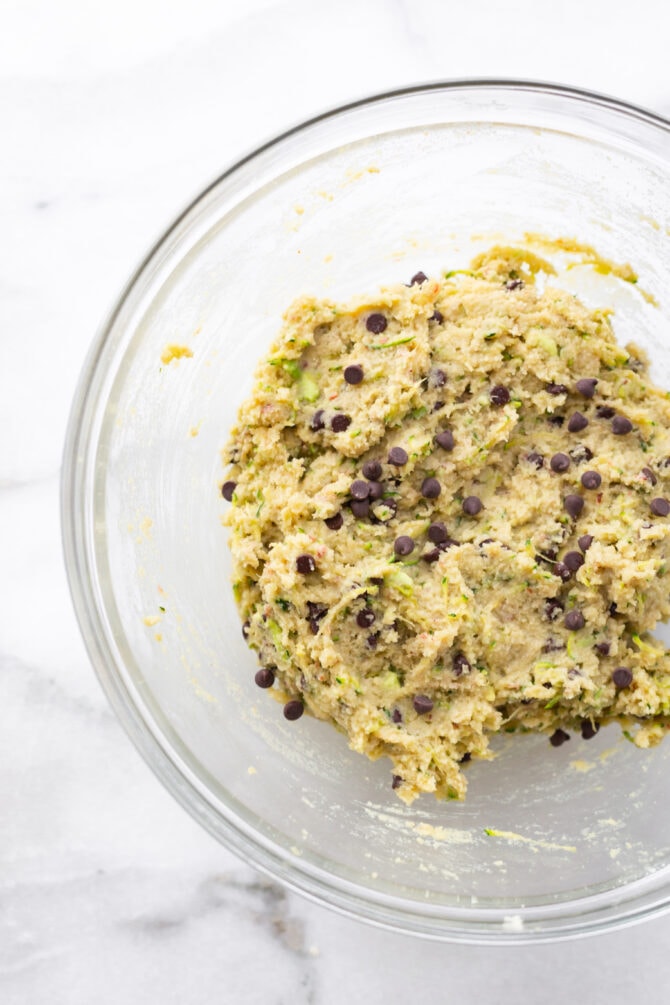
<point x="450" y="519"/>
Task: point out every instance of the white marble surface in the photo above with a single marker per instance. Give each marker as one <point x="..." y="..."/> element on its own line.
<point x="111" y="117"/>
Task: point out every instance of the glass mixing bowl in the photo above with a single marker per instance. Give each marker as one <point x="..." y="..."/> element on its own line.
<point x="550" y="842"/>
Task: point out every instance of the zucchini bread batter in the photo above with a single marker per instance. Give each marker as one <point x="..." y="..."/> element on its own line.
<point x="449" y="519"/>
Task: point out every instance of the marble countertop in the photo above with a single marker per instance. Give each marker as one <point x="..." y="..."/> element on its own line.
<point x="112" y="117"/>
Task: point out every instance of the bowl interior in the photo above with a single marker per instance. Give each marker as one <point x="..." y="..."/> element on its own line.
<point x="368" y="197"/>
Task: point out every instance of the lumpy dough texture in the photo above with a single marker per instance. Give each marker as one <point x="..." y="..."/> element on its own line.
<point x="528" y="606"/>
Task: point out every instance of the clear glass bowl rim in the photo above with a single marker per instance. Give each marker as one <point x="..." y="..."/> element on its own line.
<point x="616" y="908"/>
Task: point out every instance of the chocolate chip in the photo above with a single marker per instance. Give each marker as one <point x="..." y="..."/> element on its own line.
<point x="591" y="480"/>
<point x="365" y="618"/>
<point x="472" y="505"/>
<point x="360" y="508"/>
<point x="422" y="704"/>
<point x="602" y="648"/>
<point x="467" y="756"/>
<point x="446" y="545"/>
<point x="438" y="406"/>
<point x="372" y="640"/>
<point x="396" y="715"/>
<point x="245" y="630"/>
<point x="432" y="555"/>
<point x="649" y="475"/>
<point x="396" y="782"/>
<point x="437" y="533"/>
<point x="430" y="488"/>
<point x="549" y="554"/>
<point x="559" y="463"/>
<point x="445" y="439"/>
<point x="574" y="620"/>
<point x="499" y="395"/>
<point x="334" y="522"/>
<point x="313" y="625"/>
<point x="605" y="412"/>
<point x="376" y="490"/>
<point x="397" y="456"/>
<point x="622" y="677"/>
<point x="383" y="510"/>
<point x="573" y="560"/>
<point x="514" y="284"/>
<point x="586" y="387"/>
<point x="659" y="507"/>
<point x="556" y="389"/>
<point x="353" y="374"/>
<point x="293" y="709"/>
<point x="556" y="420"/>
<point x="589" y="729"/>
<point x="340" y="422"/>
<point x="372" y="470"/>
<point x="418" y="278"/>
<point x="460" y="664"/>
<point x="577" y="422"/>
<point x="437" y="317"/>
<point x="553" y="646"/>
<point x="585" y="541"/>
<point x="265" y="677"/>
<point x="359" y="489"/>
<point x="580" y="453"/>
<point x="316" y="611"/>
<point x="613" y="608"/>
<point x="573" y="505"/>
<point x="317" y="421"/>
<point x="376" y="323"/>
<point x="305" y="564"/>
<point x="621" y="426"/>
<point x="553" y="608"/>
<point x="558" y="738"/>
<point x="437" y="378"/>
<point x="403" y="545"/>
<point x="534" y="458"/>
<point x="561" y="570"/>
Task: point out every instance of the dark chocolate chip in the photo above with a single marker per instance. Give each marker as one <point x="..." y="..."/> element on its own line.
<point x="437" y="317"/>
<point x="605" y="412"/>
<point x="376" y="323"/>
<point x="573" y="505"/>
<point x="514" y="284"/>
<point x="305" y="564"/>
<point x="574" y="620"/>
<point x="372" y="470"/>
<point x="553" y="609"/>
<point x="397" y="456"/>
<point x="621" y="426"/>
<point x="622" y="677"/>
<point x="334" y="522"/>
<point x="561" y="570"/>
<point x="437" y="533"/>
<point x="430" y="488"/>
<point x="316" y="611"/>
<point x="580" y="453"/>
<point x="376" y="490"/>
<point x="340" y="422"/>
<point x="265" y="677"/>
<point x="313" y="625"/>
<point x="396" y="715"/>
<point x="353" y="374"/>
<point x="589" y="729"/>
<point x="438" y="406"/>
<point x="558" y="738"/>
<point x="317" y="421"/>
<point x="365" y="618"/>
<point x="559" y="463"/>
<point x="553" y="646"/>
<point x="585" y="541"/>
<point x="602" y="648"/>
<point x="591" y="480"/>
<point x="437" y="378"/>
<point x="586" y="387"/>
<point x="500" y="395"/>
<point x="556" y="389"/>
<point x="577" y="422"/>
<point x="432" y="555"/>
<point x="613" y="609"/>
<point x="396" y="782"/>
<point x="418" y="278"/>
<point x="445" y="439"/>
<point x="534" y="458"/>
<point x="359" y="489"/>
<point x="227" y="490"/>
<point x="556" y="420"/>
<point x="573" y="560"/>
<point x="372" y="640"/>
<point x="659" y="507"/>
<point x="360" y="508"/>
<point x="467" y="756"/>
<point x="245" y="630"/>
<point x="472" y="505"/>
<point x="549" y="554"/>
<point x="422" y="704"/>
<point x="293" y="709"/>
<point x="460" y="664"/>
<point x="403" y="545"/>
<point x="649" y="475"/>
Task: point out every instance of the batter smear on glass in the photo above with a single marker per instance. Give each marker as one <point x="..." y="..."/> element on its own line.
<point x="450" y="519"/>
